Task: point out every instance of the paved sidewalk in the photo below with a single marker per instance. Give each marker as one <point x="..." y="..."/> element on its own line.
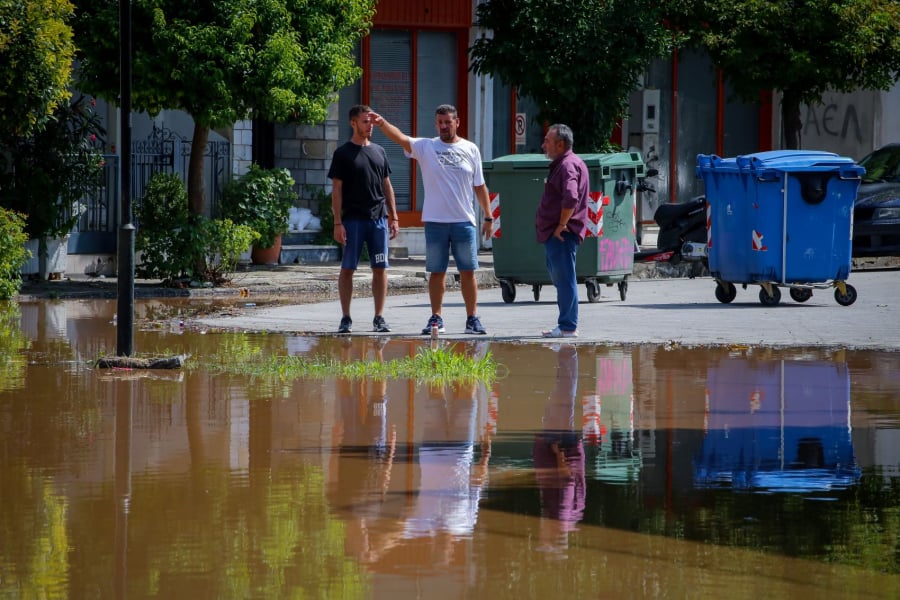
<point x="667" y="311"/>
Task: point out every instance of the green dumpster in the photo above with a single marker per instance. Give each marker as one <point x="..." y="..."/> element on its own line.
<point x="606" y="256"/>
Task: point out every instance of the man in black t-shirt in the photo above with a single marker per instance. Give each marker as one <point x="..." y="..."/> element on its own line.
<point x="362" y="199"/>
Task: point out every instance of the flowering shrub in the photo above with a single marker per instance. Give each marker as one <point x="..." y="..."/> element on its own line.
<point x="45" y="175"/>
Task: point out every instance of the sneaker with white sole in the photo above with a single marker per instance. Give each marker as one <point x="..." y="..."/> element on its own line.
<point x="434" y="321"/>
<point x="556" y="332"/>
<point x="346" y="325"/>
<point x="380" y="325"/>
<point x="473" y="325"/>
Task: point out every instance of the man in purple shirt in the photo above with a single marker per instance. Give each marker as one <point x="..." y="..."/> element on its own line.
<point x="560" y="222"/>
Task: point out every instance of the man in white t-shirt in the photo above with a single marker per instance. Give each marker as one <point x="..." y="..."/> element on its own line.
<point x="451" y="172"/>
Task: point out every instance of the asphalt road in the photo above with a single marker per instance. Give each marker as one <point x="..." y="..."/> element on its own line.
<point x="662" y="311"/>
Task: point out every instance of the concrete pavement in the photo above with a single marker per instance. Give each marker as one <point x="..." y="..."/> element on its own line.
<point x="677" y="311"/>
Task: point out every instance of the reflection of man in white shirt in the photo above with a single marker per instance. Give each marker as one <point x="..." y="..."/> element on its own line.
<point x="450" y="486"/>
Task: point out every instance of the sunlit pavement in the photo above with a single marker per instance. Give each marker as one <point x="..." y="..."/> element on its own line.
<point x="675" y="311"/>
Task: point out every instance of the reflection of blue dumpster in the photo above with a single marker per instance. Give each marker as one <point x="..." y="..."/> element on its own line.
<point x="777" y="426"/>
<point x="781" y="218"/>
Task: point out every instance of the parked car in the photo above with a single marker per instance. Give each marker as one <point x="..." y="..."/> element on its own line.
<point x="876" y="213"/>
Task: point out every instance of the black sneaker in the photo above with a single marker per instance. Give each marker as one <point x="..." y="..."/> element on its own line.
<point x="434" y="320"/>
<point x="380" y="325"/>
<point x="346" y="325"/>
<point x="473" y="325"/>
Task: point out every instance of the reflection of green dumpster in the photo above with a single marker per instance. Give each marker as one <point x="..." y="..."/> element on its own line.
<point x="606" y="256"/>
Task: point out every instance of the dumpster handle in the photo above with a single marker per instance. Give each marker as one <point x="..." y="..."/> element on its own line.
<point x="784" y="221"/>
<point x="854" y="172"/>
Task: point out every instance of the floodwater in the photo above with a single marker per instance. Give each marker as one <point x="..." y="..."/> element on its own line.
<point x="596" y="472"/>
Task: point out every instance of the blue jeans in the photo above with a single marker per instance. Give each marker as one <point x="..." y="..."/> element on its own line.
<point x="560" y="257"/>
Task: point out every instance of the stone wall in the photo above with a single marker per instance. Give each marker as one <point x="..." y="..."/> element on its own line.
<point x="305" y="150"/>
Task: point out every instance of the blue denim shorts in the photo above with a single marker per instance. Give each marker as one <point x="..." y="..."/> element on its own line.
<point x="443" y="238"/>
<point x="374" y="234"/>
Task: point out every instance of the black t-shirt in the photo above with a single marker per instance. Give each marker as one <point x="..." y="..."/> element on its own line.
<point x="362" y="170"/>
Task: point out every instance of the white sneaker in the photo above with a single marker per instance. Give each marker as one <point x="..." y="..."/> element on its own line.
<point x="556" y="332"/>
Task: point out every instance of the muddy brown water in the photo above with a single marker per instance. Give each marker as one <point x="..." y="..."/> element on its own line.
<point x="596" y="472"/>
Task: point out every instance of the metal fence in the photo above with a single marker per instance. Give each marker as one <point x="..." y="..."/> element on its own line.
<point x="163" y="151"/>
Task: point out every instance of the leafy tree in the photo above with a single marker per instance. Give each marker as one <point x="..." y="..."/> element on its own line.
<point x="36" y="51"/>
<point x="578" y="60"/>
<point x="225" y="60"/>
<point x="801" y="48"/>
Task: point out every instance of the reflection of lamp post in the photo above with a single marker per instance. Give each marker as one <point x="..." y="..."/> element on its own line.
<point x="122" y="484"/>
<point x="125" y="327"/>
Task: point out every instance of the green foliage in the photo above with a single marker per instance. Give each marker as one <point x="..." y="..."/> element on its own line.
<point x="261" y="199"/>
<point x="577" y="60"/>
<point x="13" y="343"/>
<point x="46" y="174"/>
<point x="801" y="48"/>
<point x="226" y="241"/>
<point x="36" y="53"/>
<point x="12" y="252"/>
<point x="222" y="61"/>
<point x="173" y="242"/>
<point x="433" y="365"/>
<point x="321" y="199"/>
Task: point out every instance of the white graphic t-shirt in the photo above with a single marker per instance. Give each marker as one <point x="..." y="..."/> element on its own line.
<point x="449" y="172"/>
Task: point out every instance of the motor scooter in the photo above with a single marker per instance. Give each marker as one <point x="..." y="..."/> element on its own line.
<point x="682" y="234"/>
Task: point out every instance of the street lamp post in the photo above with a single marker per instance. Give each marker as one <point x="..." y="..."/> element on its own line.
<point x="125" y="319"/>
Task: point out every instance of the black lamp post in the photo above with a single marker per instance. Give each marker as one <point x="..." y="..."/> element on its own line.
<point x="125" y="326"/>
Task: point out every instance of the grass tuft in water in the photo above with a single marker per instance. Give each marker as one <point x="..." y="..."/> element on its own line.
<point x="438" y="365"/>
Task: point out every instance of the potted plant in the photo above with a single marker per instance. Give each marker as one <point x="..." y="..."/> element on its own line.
<point x="261" y="199"/>
<point x="45" y="175"/>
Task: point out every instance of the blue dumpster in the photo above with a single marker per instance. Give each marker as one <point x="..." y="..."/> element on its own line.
<point x="781" y="218"/>
<point x="777" y="426"/>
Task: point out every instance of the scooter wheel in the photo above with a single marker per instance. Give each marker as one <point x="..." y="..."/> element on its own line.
<point x="725" y="292"/>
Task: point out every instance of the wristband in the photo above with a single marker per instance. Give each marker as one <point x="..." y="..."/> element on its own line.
<point x="488" y="220"/>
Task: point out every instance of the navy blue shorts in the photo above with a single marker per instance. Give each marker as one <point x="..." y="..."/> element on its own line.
<point x="374" y="234"/>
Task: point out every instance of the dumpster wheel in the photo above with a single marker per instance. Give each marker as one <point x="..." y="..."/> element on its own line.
<point x="799" y="294"/>
<point x="508" y="291"/>
<point x="536" y="289"/>
<point x="725" y="292"/>
<point x="769" y="295"/>
<point x="593" y="290"/>
<point x="845" y="296"/>
<point x="623" y="289"/>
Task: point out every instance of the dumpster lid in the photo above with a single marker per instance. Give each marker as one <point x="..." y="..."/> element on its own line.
<point x="794" y="160"/>
<point x="592" y="160"/>
<point x="779" y="160"/>
<point x="613" y="159"/>
<point x="517" y="161"/>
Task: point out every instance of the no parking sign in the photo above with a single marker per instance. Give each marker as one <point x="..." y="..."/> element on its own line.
<point x="520" y="129"/>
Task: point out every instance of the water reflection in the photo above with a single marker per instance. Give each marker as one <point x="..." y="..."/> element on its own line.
<point x="598" y="471"/>
<point x="778" y="426"/>
<point x="559" y="458"/>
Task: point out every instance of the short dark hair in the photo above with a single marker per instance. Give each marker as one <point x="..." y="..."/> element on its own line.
<point x="564" y="134"/>
<point x="357" y="109"/>
<point x="446" y="109"/>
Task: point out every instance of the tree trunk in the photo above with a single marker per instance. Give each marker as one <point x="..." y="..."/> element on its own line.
<point x="196" y="191"/>
<point x="791" y="124"/>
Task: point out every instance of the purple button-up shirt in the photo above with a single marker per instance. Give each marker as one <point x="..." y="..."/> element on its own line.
<point x="567" y="187"/>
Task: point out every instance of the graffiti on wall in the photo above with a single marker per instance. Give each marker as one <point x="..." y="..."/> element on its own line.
<point x="833" y="120"/>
